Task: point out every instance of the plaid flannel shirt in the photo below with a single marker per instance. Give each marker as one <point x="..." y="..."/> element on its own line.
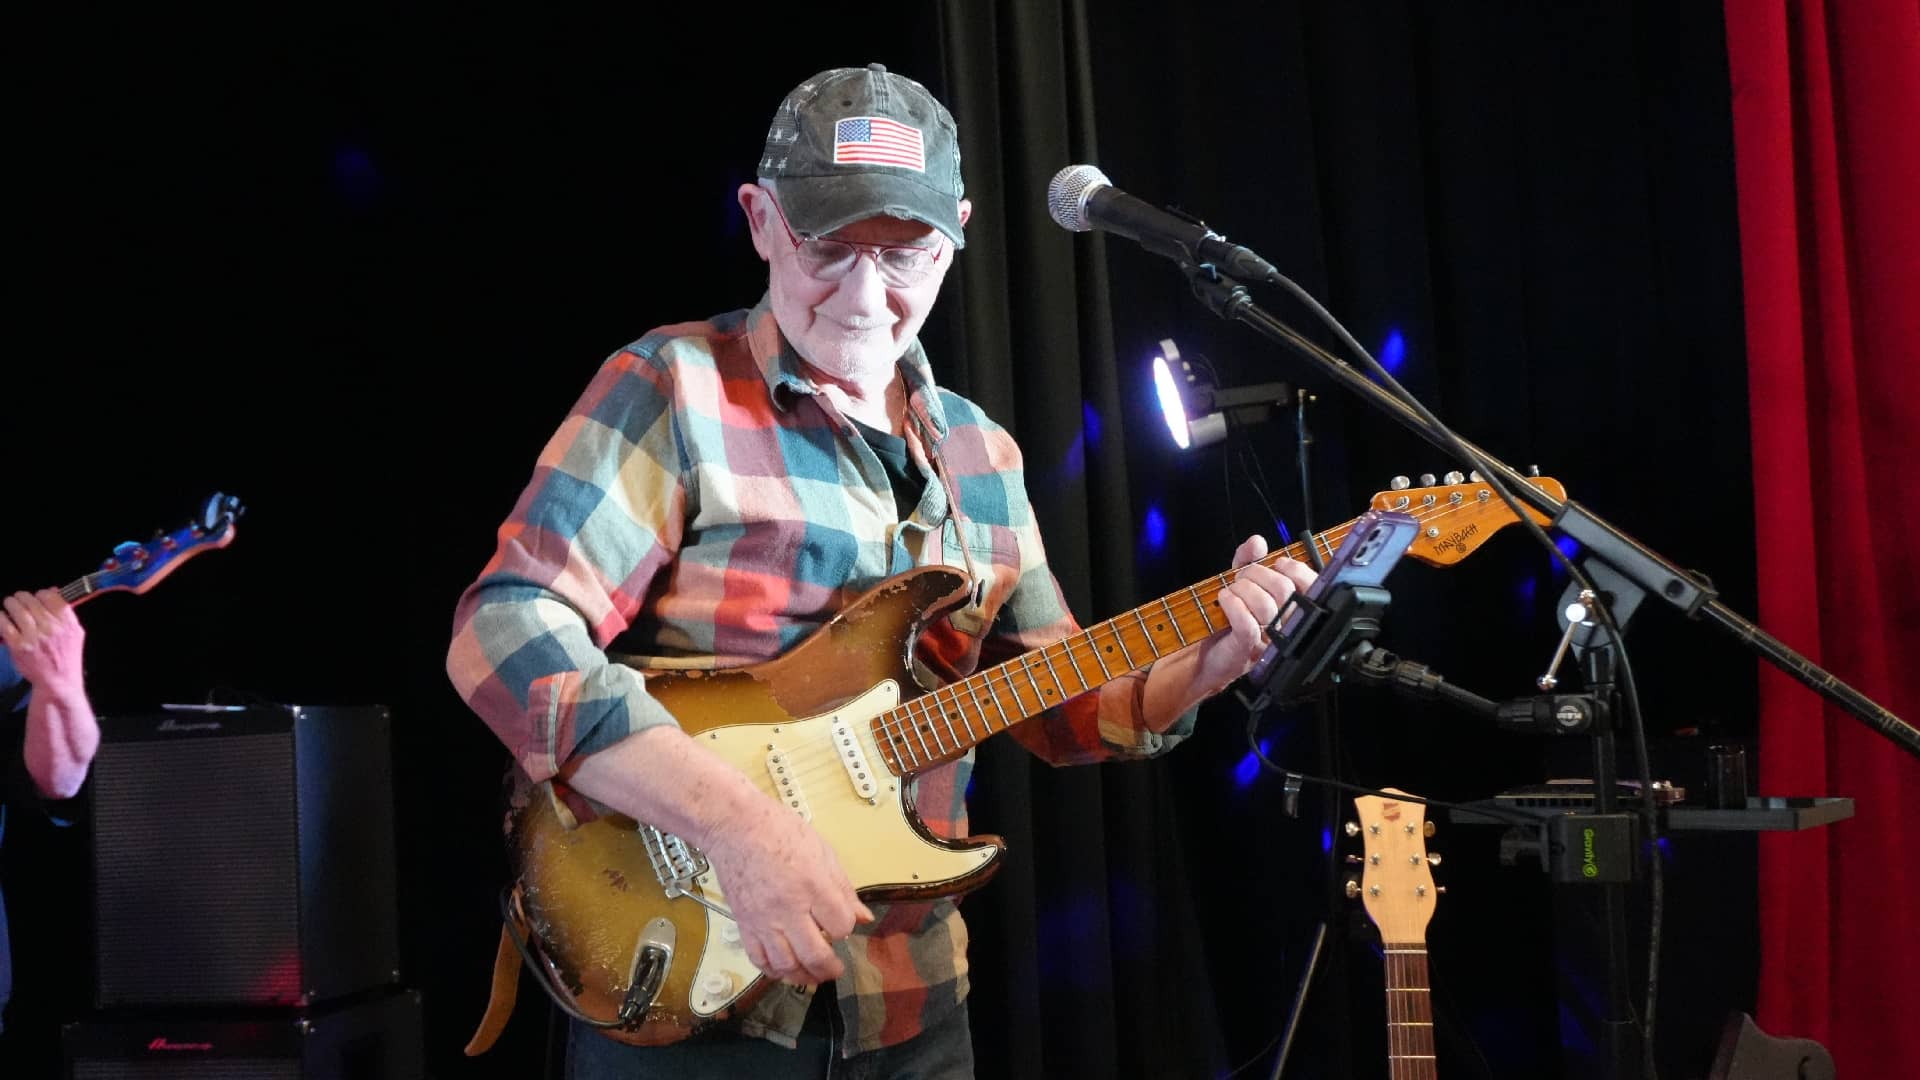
<point x="706" y="505"/>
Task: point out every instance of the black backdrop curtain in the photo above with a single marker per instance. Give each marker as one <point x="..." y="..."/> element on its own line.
<point x="1096" y="968"/>
<point x="355" y="268"/>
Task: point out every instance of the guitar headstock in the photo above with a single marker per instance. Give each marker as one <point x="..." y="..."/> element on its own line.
<point x="1457" y="517"/>
<point x="1396" y="884"/>
<point x="138" y="566"/>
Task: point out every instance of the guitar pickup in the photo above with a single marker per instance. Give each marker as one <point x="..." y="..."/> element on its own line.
<point x="853" y="758"/>
<point x="786" y="785"/>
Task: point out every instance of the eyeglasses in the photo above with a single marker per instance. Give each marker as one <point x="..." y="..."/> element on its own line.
<point x="830" y="260"/>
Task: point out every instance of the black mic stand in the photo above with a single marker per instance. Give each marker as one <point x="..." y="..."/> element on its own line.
<point x="1590" y="855"/>
<point x="1296" y="666"/>
<point x="1639" y="564"/>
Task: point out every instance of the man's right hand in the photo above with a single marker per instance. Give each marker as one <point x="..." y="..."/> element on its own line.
<point x="782" y="881"/>
<point x="787" y="892"/>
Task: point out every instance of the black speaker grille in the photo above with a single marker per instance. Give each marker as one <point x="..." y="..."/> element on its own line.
<point x="197" y="874"/>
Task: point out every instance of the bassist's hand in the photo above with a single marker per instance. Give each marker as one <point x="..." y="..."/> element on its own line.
<point x="787" y="891"/>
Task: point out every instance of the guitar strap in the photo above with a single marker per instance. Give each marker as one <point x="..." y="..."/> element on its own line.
<point x="506" y="956"/>
<point x="970" y="619"/>
<point x="505" y="992"/>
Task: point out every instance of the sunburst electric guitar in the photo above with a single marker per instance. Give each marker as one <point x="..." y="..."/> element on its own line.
<point x="1397" y="888"/>
<point x="628" y="926"/>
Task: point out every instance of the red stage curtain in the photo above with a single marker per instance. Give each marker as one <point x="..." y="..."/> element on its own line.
<point x="1826" y="119"/>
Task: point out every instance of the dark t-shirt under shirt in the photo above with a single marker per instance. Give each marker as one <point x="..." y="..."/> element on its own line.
<point x="908" y="484"/>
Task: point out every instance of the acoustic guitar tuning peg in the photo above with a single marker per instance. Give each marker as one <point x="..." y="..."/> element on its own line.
<point x="1454" y="477"/>
<point x="1399" y="483"/>
<point x="1427" y="479"/>
<point x="1353" y="889"/>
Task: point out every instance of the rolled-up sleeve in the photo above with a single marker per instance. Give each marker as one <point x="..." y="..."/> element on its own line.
<point x="1107" y="723"/>
<point x="601" y="518"/>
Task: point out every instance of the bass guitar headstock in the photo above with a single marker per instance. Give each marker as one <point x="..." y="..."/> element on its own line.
<point x="136" y="566"/>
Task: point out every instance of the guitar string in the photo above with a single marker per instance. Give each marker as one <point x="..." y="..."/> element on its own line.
<point x="808" y="762"/>
<point x="905" y="724"/>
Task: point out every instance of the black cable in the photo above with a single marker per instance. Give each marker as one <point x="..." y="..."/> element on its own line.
<point x="1629" y="691"/>
<point x="1511" y="817"/>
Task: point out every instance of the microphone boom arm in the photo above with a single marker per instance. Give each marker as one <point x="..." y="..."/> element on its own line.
<point x="1640" y="564"/>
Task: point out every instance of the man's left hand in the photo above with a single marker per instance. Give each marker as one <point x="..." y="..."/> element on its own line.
<point x="1250" y="603"/>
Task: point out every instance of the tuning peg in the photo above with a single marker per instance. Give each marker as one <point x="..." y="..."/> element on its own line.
<point x="1353" y="828"/>
<point x="1476" y="477"/>
<point x="1454" y="477"/>
<point x="1533" y="470"/>
<point x="1353" y="889"/>
<point x="1427" y="479"/>
<point x="1399" y="483"/>
<point x="1433" y="858"/>
<point x="1429" y="828"/>
<point x="1353" y="860"/>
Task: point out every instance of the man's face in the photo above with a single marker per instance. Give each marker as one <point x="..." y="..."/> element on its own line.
<point x="852" y="331"/>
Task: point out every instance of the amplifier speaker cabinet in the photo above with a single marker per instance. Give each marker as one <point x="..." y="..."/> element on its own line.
<point x="378" y="1038"/>
<point x="243" y="857"/>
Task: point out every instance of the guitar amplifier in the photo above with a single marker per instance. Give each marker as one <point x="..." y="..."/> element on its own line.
<point x="375" y="1039"/>
<point x="243" y="857"/>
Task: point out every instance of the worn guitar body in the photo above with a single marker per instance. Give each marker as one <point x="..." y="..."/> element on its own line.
<point x="630" y="928"/>
<point x="590" y="893"/>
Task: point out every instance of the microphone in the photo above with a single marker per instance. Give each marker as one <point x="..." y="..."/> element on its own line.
<point x="1081" y="198"/>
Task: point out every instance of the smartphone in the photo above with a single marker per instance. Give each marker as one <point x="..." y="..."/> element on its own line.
<point x="1318" y="626"/>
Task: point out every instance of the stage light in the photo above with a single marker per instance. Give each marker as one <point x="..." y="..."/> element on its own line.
<point x="1198" y="412"/>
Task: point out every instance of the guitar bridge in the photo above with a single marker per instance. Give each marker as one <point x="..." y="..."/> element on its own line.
<point x="674" y="863"/>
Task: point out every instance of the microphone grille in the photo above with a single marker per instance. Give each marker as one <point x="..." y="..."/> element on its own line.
<point x="1067" y="195"/>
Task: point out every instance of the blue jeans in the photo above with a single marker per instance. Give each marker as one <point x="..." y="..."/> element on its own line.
<point x="942" y="1052"/>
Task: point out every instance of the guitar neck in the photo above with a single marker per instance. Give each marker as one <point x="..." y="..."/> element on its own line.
<point x="1409" y="1013"/>
<point x="80" y="589"/>
<point x="945" y="724"/>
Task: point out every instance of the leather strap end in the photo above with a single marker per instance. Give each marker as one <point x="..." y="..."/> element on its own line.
<point x="506" y="988"/>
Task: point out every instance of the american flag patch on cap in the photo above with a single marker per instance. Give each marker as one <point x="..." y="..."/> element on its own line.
<point x="876" y="140"/>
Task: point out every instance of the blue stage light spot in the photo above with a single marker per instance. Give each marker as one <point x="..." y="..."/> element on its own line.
<point x="1393" y="352"/>
<point x="1153" y="529"/>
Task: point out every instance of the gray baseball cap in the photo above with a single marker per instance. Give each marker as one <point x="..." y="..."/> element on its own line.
<point x="854" y="143"/>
